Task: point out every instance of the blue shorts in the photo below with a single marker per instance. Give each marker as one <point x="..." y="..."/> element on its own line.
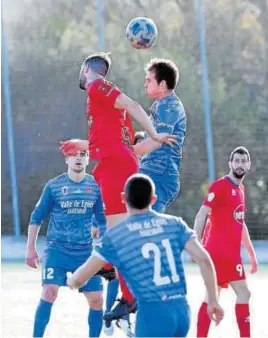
<point x="163" y="319"/>
<point x="57" y="262"/>
<point x="166" y="190"/>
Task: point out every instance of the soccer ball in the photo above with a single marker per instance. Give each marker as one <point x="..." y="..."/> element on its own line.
<point x="142" y="33"/>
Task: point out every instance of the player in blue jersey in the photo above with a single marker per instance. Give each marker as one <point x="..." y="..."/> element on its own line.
<point x="147" y="249"/>
<point x="71" y="201"/>
<point x="160" y="161"/>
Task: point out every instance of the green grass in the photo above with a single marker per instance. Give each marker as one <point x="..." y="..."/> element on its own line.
<point x="21" y="291"/>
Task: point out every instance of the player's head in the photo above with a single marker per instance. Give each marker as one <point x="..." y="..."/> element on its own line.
<point x="162" y="75"/>
<point x="139" y="192"/>
<point x="77" y="159"/>
<point x="95" y="64"/>
<point x="239" y="162"/>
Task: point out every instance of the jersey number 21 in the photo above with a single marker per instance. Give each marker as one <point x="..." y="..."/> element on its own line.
<point x="157" y="278"/>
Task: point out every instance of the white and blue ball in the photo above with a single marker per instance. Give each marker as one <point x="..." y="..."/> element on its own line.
<point x="142" y="33"/>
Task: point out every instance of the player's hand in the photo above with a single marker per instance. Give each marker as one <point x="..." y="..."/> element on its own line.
<point x="254" y="265"/>
<point x="70" y="281"/>
<point x="70" y="147"/>
<point x="165" y="138"/>
<point x="215" y="312"/>
<point x="32" y="258"/>
<point x="95" y="232"/>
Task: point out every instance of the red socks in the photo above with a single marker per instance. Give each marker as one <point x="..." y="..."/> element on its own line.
<point x="126" y="294"/>
<point x="243" y="319"/>
<point x="203" y="322"/>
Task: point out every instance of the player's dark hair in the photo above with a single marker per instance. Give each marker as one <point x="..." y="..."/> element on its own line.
<point x="239" y="150"/>
<point x="165" y="70"/>
<point x="99" y="62"/>
<point x="139" y="190"/>
<point x="139" y="136"/>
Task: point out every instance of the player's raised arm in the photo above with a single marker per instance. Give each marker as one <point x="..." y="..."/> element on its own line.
<point x="250" y="249"/>
<point x="40" y="212"/>
<point x="139" y="114"/>
<point x="200" y="221"/>
<point x="208" y="273"/>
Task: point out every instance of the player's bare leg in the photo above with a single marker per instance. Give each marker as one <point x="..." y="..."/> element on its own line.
<point x="242" y="306"/>
<point x="203" y="321"/>
<point x="42" y="315"/>
<point x="95" y="302"/>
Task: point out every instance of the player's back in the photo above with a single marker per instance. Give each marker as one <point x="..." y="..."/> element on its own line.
<point x="149" y="248"/>
<point x="110" y="129"/>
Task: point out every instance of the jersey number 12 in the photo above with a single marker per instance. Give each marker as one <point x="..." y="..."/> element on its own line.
<point x="157" y="278"/>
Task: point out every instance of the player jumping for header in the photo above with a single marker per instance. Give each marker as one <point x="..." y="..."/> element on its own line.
<point x="111" y="137"/>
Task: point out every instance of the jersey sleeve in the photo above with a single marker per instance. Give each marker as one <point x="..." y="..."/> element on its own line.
<point x="104" y="92"/>
<point x="214" y="196"/>
<point x="99" y="214"/>
<point x="43" y="207"/>
<point x="185" y="233"/>
<point x="106" y="251"/>
<point x="169" y="117"/>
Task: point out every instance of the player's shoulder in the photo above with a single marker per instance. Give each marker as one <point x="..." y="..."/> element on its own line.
<point x="220" y="182"/>
<point x="56" y="180"/>
<point x="91" y="180"/>
<point x="172" y="220"/>
<point x="56" y="183"/>
<point x="172" y="106"/>
<point x="102" y="85"/>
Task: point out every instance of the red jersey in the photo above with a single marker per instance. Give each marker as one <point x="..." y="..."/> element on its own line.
<point x="110" y="129"/>
<point x="223" y="231"/>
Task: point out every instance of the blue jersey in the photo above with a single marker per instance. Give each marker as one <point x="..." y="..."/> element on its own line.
<point x="167" y="116"/>
<point x="72" y="208"/>
<point x="147" y="248"/>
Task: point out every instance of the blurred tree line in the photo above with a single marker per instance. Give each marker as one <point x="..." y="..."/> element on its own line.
<point x="49" y="39"/>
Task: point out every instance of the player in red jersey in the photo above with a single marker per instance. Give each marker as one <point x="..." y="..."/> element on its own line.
<point x="222" y="218"/>
<point x="110" y="139"/>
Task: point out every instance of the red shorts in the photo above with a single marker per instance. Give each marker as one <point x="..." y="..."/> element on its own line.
<point x="228" y="271"/>
<point x="111" y="175"/>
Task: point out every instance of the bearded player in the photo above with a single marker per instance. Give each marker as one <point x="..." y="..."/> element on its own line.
<point x="222" y="219"/>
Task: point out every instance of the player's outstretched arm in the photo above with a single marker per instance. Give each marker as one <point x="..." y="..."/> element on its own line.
<point x="139" y="114"/>
<point x="200" y="221"/>
<point x="250" y="249"/>
<point x="84" y="272"/>
<point x="146" y="146"/>
<point x="201" y="256"/>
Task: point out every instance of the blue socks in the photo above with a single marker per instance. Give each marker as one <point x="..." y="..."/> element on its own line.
<point x="41" y="319"/>
<point x="95" y="322"/>
<point x="112" y="291"/>
<point x="42" y="316"/>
